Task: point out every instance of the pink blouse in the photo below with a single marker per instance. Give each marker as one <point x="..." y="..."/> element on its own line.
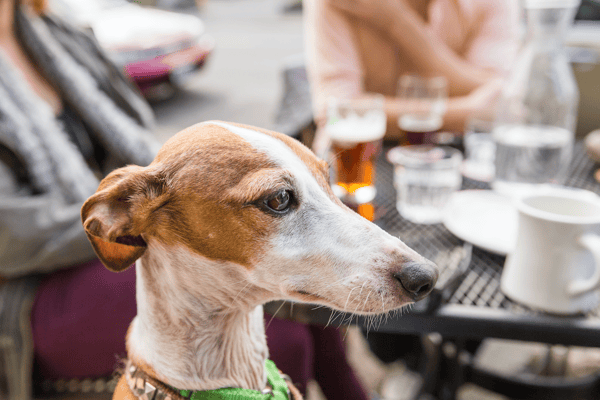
<point x="346" y="57"/>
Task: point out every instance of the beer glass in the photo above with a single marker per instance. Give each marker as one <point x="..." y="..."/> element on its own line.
<point x="425" y="104"/>
<point x="355" y="128"/>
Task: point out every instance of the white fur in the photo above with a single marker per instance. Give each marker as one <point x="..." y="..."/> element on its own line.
<point x="215" y="333"/>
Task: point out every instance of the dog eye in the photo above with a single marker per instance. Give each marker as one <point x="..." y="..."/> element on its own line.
<point x="280" y="202"/>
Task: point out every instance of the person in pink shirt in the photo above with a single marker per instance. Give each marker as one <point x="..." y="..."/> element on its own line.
<point x="355" y="47"/>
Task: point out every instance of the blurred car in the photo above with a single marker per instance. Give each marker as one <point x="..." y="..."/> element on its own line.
<point x="154" y="47"/>
<point x="172" y="4"/>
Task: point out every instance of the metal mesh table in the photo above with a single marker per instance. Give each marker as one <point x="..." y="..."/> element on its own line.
<point x="477" y="308"/>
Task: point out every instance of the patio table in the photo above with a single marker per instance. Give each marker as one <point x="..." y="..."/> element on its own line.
<point x="471" y="306"/>
<point x="477" y="308"/>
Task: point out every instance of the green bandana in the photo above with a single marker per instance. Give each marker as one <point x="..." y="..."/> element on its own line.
<point x="280" y="389"/>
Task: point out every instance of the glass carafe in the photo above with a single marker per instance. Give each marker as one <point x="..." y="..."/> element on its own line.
<point x="535" y="123"/>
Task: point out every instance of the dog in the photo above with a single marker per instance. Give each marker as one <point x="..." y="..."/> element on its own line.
<point x="226" y="218"/>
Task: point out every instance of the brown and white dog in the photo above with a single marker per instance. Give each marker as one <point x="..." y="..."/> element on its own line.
<point x="226" y="218"/>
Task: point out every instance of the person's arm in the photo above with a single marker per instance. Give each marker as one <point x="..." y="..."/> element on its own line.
<point x="429" y="54"/>
<point x="38" y="233"/>
<point x="458" y="109"/>
<point x="332" y="60"/>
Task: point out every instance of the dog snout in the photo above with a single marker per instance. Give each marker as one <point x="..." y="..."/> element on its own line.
<point x="418" y="279"/>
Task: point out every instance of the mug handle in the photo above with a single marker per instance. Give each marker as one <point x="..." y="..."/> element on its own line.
<point x="579" y="287"/>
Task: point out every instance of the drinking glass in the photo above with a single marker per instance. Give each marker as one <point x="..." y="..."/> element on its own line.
<point x="356" y="128"/>
<point x="425" y="101"/>
<point x="425" y="177"/>
<point x="480" y="149"/>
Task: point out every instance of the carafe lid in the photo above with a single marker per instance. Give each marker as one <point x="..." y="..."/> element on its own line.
<point x="552" y="3"/>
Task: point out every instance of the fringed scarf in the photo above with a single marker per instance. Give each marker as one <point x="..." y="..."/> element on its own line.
<point x="113" y="110"/>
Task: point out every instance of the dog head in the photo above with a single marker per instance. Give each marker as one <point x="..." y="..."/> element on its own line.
<point x="248" y="216"/>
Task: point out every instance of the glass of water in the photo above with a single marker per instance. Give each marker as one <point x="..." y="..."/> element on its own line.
<point x="480" y="149"/>
<point x="425" y="177"/>
<point x="528" y="156"/>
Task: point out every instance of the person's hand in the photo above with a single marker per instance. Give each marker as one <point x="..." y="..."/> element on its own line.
<point x="380" y="13"/>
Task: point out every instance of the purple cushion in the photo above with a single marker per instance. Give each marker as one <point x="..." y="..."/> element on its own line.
<point x="80" y="318"/>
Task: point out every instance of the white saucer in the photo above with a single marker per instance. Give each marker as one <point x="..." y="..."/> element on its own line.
<point x="483" y="218"/>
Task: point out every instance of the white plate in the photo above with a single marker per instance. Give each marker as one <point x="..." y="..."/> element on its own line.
<point x="484" y="218"/>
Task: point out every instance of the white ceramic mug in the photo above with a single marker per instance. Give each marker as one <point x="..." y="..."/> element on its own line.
<point x="555" y="266"/>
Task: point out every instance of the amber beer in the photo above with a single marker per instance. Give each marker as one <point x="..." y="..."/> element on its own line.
<point x="355" y="164"/>
<point x="420" y="129"/>
<point x="355" y="144"/>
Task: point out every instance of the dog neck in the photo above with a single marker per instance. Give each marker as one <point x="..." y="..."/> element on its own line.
<point x="189" y="332"/>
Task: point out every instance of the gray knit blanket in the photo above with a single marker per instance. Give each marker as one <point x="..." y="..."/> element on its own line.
<point x="29" y="128"/>
<point x="40" y="226"/>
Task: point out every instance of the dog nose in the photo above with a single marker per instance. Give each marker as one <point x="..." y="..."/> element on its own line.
<point x="418" y="279"/>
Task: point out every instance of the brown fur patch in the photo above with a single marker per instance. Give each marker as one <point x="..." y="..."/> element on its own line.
<point x="193" y="194"/>
<point x="205" y="166"/>
<point x="318" y="168"/>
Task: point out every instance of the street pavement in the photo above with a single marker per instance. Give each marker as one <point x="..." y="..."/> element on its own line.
<point x="242" y="80"/>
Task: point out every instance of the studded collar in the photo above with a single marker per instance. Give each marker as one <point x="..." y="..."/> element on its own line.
<point x="146" y="388"/>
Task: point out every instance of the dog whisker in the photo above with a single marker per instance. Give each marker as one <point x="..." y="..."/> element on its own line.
<point x="340" y="314"/>
<point x="241" y="290"/>
<point x="348" y="328"/>
<point x="274" y="314"/>
<point x="356" y="308"/>
<point x="358" y="301"/>
<point x="367" y="299"/>
<point x="361" y="288"/>
<point x="330" y="318"/>
<point x="341" y="322"/>
<point x="348" y="299"/>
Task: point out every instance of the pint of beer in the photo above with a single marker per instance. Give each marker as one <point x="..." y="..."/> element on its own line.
<point x="356" y="129"/>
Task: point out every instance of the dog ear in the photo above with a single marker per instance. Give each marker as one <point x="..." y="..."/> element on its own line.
<point x="110" y="218"/>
